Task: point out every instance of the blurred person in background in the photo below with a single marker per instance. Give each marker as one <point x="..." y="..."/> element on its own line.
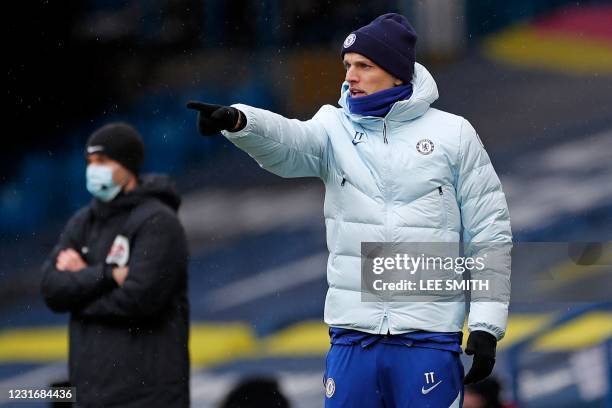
<point x="256" y="393"/>
<point x="120" y="269"/>
<point x="484" y="394"/>
<point x="393" y="169"/>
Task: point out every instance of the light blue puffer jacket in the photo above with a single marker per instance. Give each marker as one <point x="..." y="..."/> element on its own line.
<point x="379" y="188"/>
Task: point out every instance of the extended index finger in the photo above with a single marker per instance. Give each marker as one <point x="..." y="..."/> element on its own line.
<point x="206" y="108"/>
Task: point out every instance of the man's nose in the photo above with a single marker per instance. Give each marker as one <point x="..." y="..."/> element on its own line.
<point x="351" y="75"/>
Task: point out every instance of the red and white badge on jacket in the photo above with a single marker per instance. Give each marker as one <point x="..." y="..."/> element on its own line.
<point x="119" y="253"/>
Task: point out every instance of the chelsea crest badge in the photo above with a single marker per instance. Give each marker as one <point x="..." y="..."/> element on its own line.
<point x="425" y="146"/>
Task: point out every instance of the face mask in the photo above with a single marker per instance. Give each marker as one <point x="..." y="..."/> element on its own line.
<point x="100" y="182"/>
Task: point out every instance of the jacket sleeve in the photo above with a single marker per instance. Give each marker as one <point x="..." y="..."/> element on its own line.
<point x="285" y="147"/>
<point x="64" y="291"/>
<point x="157" y="268"/>
<point x="486" y="233"/>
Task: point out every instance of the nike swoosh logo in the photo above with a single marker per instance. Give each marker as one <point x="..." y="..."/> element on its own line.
<point x="426" y="391"/>
<point x="93" y="149"/>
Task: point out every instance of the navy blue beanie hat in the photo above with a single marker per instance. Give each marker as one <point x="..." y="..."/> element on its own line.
<point x="389" y="41"/>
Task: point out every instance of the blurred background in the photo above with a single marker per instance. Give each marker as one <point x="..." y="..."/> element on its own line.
<point x="533" y="77"/>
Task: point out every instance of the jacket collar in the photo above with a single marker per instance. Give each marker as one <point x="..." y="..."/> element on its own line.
<point x="425" y="92"/>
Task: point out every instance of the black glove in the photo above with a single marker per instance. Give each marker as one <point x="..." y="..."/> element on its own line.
<point x="482" y="346"/>
<point x="214" y="118"/>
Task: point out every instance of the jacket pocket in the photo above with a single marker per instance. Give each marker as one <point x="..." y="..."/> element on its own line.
<point x="443" y="208"/>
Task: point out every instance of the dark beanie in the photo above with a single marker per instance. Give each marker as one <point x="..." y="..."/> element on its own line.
<point x="389" y="41"/>
<point x="120" y="142"/>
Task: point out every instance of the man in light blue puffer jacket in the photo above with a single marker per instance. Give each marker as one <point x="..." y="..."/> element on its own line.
<point x="395" y="170"/>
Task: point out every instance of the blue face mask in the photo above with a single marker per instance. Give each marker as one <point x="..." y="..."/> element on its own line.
<point x="100" y="182"/>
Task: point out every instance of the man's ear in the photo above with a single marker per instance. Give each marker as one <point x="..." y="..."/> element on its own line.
<point x="397" y="82"/>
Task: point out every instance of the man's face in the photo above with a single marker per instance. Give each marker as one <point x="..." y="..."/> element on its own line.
<point x="365" y="77"/>
<point x="120" y="173"/>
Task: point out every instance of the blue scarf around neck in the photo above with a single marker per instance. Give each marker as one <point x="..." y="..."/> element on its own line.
<point x="379" y="103"/>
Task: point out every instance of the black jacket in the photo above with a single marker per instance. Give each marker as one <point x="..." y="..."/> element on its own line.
<point x="128" y="345"/>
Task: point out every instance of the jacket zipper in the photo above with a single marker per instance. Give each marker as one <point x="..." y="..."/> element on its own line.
<point x="385" y="321"/>
<point x="385" y="132"/>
